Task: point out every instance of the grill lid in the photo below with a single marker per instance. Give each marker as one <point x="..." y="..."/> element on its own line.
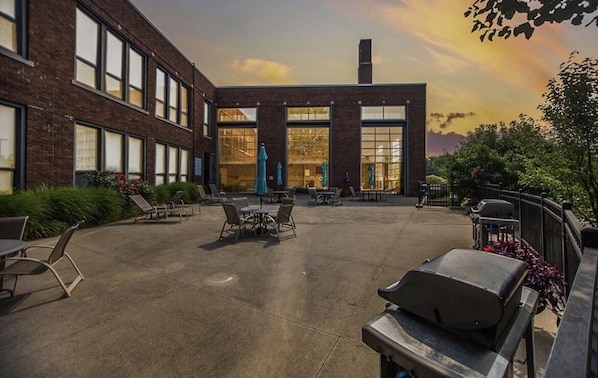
<point x="493" y="208"/>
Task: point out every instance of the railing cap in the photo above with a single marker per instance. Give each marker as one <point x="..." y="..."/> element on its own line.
<point x="589" y="237"/>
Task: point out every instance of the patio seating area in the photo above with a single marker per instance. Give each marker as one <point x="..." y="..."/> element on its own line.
<point x="171" y="299"/>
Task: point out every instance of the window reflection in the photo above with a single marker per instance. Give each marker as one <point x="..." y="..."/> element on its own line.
<point x="308" y="147"/>
<point x="237" y="114"/>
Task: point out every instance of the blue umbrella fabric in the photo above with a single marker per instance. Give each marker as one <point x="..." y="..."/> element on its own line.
<point x="261" y="185"/>
<point x="372" y="177"/>
<point x="279" y="174"/>
<point x="324" y="173"/>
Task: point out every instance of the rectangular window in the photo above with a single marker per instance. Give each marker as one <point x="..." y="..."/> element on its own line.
<point x="136" y="154"/>
<point x="379" y="113"/>
<point x="10" y="161"/>
<point x="98" y="149"/>
<point x="308" y="149"/>
<point x="136" y="70"/>
<point x="13" y="26"/>
<point x="160" y="93"/>
<point x="237" y="115"/>
<point x="114" y="152"/>
<point x="309" y="113"/>
<point x="107" y="62"/>
<point x="237" y="148"/>
<point x="382" y="157"/>
<point x="206" y="119"/>
<point x="87" y="49"/>
<point x="114" y="68"/>
<point x="172" y="164"/>
<point x="184" y="106"/>
<point x="172" y="99"/>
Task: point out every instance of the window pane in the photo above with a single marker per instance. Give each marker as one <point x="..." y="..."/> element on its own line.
<point x="160" y="93"/>
<point x="114" y="86"/>
<point x="86" y="150"/>
<point x="8" y="8"/>
<point x="173" y="100"/>
<point x="8" y="34"/>
<point x="114" y="152"/>
<point x="237" y="115"/>
<point x="6" y="182"/>
<point x="308" y="113"/>
<point x="135" y="97"/>
<point x="135" y="69"/>
<point x="206" y="119"/>
<point x="394" y="112"/>
<point x="86" y="74"/>
<point x="173" y="158"/>
<point x="308" y="147"/>
<point x="184" y="162"/>
<point x="184" y="106"/>
<point x="114" y="55"/>
<point x="237" y="155"/>
<point x="7" y="137"/>
<point x="87" y="37"/>
<point x="135" y="157"/>
<point x="160" y="159"/>
<point x="372" y="112"/>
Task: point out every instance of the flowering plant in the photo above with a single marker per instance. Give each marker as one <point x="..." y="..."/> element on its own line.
<point x="542" y="276"/>
<point x="116" y="181"/>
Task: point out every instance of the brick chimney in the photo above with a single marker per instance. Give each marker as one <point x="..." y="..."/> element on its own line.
<point x="364" y="72"/>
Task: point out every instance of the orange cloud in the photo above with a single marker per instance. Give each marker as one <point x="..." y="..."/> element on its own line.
<point x="265" y="70"/>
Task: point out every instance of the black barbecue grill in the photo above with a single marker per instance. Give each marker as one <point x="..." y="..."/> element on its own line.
<point x="460" y="314"/>
<point x="492" y="217"/>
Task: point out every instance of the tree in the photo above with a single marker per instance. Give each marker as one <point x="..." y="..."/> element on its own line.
<point x="504" y="18"/>
<point x="571" y="108"/>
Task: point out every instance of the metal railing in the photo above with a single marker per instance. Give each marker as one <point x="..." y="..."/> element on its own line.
<point x="555" y="232"/>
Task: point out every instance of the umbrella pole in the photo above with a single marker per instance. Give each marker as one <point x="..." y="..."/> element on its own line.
<point x="261" y="199"/>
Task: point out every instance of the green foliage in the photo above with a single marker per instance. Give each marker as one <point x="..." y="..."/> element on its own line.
<point x="503" y="18"/>
<point x="433" y="179"/>
<point x="164" y="192"/>
<point x="436" y="165"/>
<point x="571" y="107"/>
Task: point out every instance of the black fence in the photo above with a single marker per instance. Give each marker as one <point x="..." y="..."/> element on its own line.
<point x="446" y="195"/>
<point x="555" y="232"/>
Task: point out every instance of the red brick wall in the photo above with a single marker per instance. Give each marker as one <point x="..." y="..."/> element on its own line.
<point x="54" y="102"/>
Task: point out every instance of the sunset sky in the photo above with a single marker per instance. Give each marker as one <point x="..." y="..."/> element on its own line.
<point x="282" y="42"/>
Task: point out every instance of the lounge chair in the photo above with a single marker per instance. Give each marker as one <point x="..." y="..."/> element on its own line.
<point x="149" y="211"/>
<point x="291" y="193"/>
<point x="235" y="221"/>
<point x="177" y="202"/>
<point x="13" y="228"/>
<point x="215" y="196"/>
<point x="203" y="197"/>
<point x="314" y="197"/>
<point x="336" y="199"/>
<point x="26" y="265"/>
<point x="354" y="194"/>
<point x="270" y="196"/>
<point x="283" y="221"/>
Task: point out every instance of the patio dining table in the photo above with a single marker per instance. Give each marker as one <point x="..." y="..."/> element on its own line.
<point x="372" y="194"/>
<point x="7" y="248"/>
<point x="261" y="213"/>
<point x="279" y="194"/>
<point x="326" y="196"/>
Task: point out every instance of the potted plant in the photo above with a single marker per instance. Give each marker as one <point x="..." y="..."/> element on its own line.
<point x="543" y="277"/>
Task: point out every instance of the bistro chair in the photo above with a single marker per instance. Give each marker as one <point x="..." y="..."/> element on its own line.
<point x="283" y="221"/>
<point x="235" y="221"/>
<point x="336" y="199"/>
<point x="26" y="265"/>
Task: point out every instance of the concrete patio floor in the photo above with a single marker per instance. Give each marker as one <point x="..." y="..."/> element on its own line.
<point x="170" y="299"/>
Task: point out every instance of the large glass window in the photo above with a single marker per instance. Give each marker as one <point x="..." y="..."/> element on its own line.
<point x="172" y="164"/>
<point x="373" y="113"/>
<point x="122" y="71"/>
<point x="237" y="115"/>
<point x="308" y="148"/>
<point x="10" y="128"/>
<point x="172" y="99"/>
<point x="382" y="158"/>
<point x="237" y="148"/>
<point x="98" y="149"/>
<point x="313" y="113"/>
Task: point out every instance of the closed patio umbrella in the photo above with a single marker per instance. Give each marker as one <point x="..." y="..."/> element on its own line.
<point x="324" y="173"/>
<point x="261" y="186"/>
<point x="372" y="178"/>
<point x="279" y="174"/>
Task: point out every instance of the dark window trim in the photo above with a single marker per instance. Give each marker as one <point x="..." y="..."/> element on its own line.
<point x="166" y="103"/>
<point x="20" y="162"/>
<point x="167" y="174"/>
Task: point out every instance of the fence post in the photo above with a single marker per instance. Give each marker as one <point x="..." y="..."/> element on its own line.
<point x="520" y="204"/>
<point x="565" y="206"/>
<point x="542" y="230"/>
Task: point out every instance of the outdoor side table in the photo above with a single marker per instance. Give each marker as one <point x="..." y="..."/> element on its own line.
<point x="405" y="341"/>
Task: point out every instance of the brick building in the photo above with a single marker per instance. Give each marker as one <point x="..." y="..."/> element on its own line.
<point x="97" y="87"/>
